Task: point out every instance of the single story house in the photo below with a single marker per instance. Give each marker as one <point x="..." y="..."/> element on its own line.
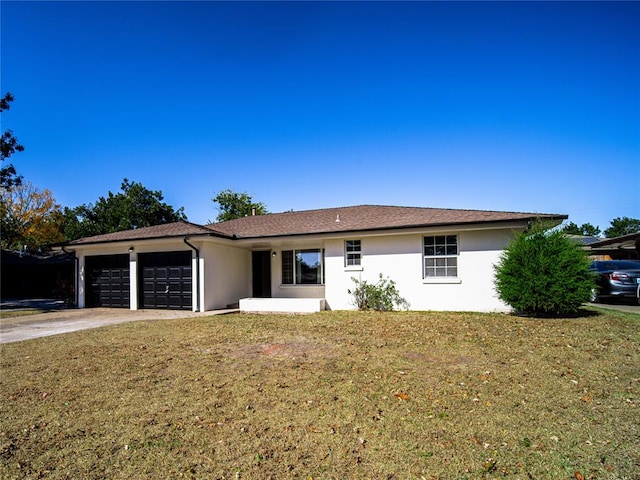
<point x="440" y="259"/>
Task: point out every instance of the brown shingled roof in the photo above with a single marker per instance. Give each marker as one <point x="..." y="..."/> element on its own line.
<point x="328" y="220"/>
<point x="176" y="229"/>
<point x="362" y="218"/>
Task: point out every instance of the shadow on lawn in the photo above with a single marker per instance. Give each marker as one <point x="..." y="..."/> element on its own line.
<point x="581" y="313"/>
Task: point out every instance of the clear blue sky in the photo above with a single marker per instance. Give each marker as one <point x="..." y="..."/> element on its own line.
<point x="500" y="106"/>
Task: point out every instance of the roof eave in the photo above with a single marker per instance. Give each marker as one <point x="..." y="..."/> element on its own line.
<point x="524" y="220"/>
<point x="141" y="239"/>
<point x="623" y="239"/>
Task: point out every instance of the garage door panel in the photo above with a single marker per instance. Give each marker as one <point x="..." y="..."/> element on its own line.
<point x="161" y="272"/>
<point x="180" y="301"/>
<point x="177" y="273"/>
<point x="166" y="280"/>
<point x="108" y="281"/>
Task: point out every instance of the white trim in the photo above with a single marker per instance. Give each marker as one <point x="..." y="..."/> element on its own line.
<point x="354" y="268"/>
<point x="133" y="280"/>
<point x="294" y="286"/>
<point x="441" y="280"/>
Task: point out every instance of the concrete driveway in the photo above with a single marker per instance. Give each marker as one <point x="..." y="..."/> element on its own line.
<point x="623" y="307"/>
<point x="15" y="329"/>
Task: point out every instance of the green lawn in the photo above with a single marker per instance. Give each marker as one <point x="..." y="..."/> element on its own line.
<point x="327" y="396"/>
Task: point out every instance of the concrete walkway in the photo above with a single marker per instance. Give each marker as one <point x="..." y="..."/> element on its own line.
<point x="56" y="321"/>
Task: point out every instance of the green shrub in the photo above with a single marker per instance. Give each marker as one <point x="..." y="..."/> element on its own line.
<point x="382" y="295"/>
<point x="543" y="273"/>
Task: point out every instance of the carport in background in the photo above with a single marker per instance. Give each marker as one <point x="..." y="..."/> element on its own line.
<point x="166" y="280"/>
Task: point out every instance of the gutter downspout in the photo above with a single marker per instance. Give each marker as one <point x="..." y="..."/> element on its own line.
<point x="186" y="241"/>
<point x="76" y="275"/>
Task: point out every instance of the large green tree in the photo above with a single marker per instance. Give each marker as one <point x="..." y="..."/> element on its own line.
<point x="236" y="205"/>
<point x="544" y="273"/>
<point x="586" y="229"/>
<point x="8" y="146"/>
<point x="135" y="206"/>
<point x="622" y="226"/>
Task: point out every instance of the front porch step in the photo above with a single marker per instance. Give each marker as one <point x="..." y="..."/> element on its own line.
<point x="282" y="305"/>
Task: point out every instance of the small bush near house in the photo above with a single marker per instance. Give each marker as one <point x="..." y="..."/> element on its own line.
<point x="381" y="296"/>
<point x="543" y="273"/>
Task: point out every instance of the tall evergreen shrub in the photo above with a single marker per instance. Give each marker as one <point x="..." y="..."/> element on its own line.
<point x="543" y="273"/>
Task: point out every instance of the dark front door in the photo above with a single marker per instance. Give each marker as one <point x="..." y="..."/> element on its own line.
<point x="107" y="281"/>
<point x="261" y="269"/>
<point x="166" y="280"/>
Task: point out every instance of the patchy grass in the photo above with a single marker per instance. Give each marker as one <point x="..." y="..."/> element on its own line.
<point x="327" y="396"/>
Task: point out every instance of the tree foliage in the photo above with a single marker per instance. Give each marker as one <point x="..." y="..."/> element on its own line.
<point x="30" y="217"/>
<point x="543" y="273"/>
<point x="622" y="226"/>
<point x="586" y="229"/>
<point x="8" y="146"/>
<point x="236" y="205"/>
<point x="134" y="207"/>
<point x="381" y="296"/>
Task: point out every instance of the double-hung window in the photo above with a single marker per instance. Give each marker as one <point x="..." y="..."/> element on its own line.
<point x="352" y="253"/>
<point x="303" y="267"/>
<point x="441" y="256"/>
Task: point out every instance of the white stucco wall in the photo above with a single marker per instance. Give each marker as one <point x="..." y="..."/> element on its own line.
<point x="115" y="249"/>
<point x="399" y="257"/>
<point x="157" y="247"/>
<point x="224" y="270"/>
<point x="227" y="275"/>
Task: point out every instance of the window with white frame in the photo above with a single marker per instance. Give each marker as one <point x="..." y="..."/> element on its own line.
<point x="352" y="253"/>
<point x="303" y="267"/>
<point x="441" y="256"/>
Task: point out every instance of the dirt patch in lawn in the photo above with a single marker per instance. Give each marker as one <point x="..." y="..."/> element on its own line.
<point x="300" y="351"/>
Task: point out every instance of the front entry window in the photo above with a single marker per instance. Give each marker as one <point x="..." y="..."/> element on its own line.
<point x="303" y="267"/>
